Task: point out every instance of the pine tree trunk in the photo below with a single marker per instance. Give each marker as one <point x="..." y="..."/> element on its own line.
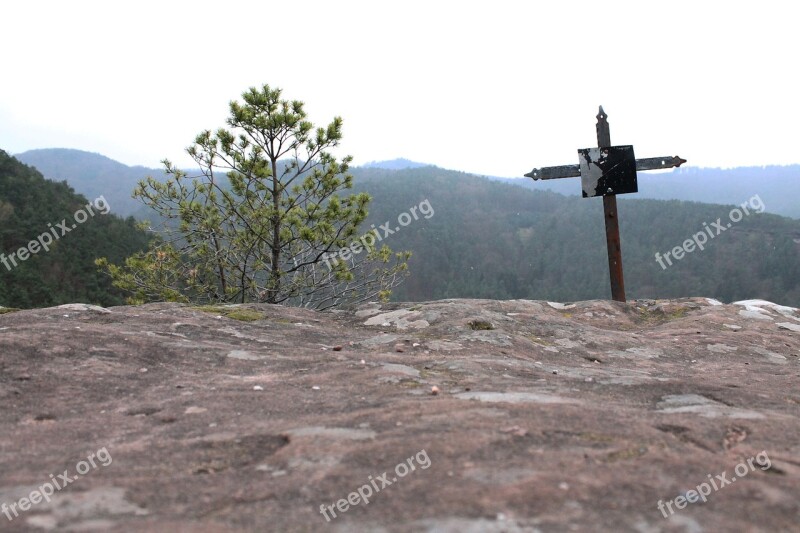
<point x="275" y="278"/>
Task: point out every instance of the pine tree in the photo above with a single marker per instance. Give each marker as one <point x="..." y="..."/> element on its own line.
<point x="263" y="219"/>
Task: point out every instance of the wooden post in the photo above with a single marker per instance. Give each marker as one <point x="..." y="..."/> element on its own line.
<point x="612" y="220"/>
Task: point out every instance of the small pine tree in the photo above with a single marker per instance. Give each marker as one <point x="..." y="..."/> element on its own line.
<point x="262" y="219"/>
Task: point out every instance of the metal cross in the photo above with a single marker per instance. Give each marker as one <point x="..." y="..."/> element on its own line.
<point x="607" y="171"/>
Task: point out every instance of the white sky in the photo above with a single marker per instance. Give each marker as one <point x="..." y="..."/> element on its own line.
<point x="492" y="87"/>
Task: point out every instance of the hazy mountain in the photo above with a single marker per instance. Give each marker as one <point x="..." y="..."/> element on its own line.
<point x="395" y="164"/>
<point x="498" y="240"/>
<point x="778" y="186"/>
<point x="92" y="175"/>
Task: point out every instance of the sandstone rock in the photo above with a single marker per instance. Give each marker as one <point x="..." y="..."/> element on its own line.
<point x="562" y="417"/>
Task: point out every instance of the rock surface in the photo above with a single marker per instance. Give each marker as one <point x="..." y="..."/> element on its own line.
<point x="543" y="417"/>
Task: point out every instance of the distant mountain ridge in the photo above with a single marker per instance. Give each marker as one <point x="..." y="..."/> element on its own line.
<point x="92" y="175"/>
<point x="778" y="186"/>
<point x="395" y="164"/>
<point x="503" y="241"/>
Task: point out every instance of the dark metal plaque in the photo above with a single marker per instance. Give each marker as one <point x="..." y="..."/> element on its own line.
<point x="608" y="171"/>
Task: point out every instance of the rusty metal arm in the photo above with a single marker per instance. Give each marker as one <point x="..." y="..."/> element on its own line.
<point x="573" y="171"/>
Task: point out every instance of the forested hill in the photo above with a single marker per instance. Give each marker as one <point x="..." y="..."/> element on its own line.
<point x="493" y="240"/>
<point x="488" y="239"/>
<point x="31" y="208"/>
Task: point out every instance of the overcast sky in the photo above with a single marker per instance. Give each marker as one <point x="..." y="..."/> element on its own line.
<point x="491" y="87"/>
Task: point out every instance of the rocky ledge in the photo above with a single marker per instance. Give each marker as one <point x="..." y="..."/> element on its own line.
<point x="455" y="415"/>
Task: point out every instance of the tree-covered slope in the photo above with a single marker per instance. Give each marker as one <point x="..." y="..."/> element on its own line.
<point x="493" y="240"/>
<point x="33" y="207"/>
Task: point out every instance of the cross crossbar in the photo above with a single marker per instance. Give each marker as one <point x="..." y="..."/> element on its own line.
<point x="574" y="171"/>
